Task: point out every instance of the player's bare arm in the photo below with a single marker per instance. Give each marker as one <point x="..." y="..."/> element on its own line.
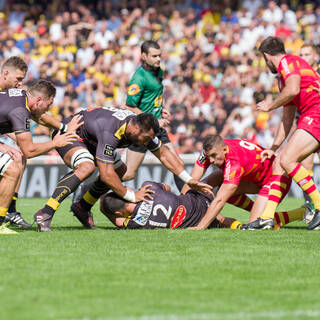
<point x="197" y="173"/>
<point x="289" y="91"/>
<point x="225" y="192"/>
<point x="282" y="131"/>
<point x="111" y="179"/>
<point x="172" y="163"/>
<point x="50" y="122"/>
<point x="30" y="149"/>
<point x="134" y="109"/>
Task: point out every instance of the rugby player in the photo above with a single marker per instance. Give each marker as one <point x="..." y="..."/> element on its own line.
<point x="165" y="210"/>
<point x="298" y="84"/>
<point x="103" y="131"/>
<point x="241" y="171"/>
<point x="17" y="107"/>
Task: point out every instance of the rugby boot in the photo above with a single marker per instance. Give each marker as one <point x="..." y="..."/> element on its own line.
<point x="259" y="224"/>
<point x="309" y="214"/>
<point x="15" y="219"/>
<point x="43" y="220"/>
<point x="5" y="230"/>
<point x="83" y="215"/>
<point x="315" y="222"/>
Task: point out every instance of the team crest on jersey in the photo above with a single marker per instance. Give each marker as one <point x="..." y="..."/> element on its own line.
<point x="15" y="92"/>
<point x="108" y="150"/>
<point x="158" y="101"/>
<point x="202" y="157"/>
<point x="133" y="89"/>
<point x="27" y="122"/>
<point x="178" y="217"/>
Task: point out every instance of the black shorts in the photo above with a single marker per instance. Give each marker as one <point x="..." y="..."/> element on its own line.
<point x="163" y="137"/>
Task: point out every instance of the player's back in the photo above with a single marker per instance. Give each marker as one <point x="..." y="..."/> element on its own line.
<point x="14" y="113"/>
<point x="308" y="98"/>
<point x="168" y="210"/>
<point x="244" y="159"/>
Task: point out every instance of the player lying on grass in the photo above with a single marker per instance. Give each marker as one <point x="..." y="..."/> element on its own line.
<point x="103" y="131"/>
<point x="241" y="171"/>
<point x="165" y="210"/>
<point x="17" y="107"/>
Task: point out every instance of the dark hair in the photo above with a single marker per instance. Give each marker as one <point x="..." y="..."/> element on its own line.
<point x="111" y="202"/>
<point x="44" y="87"/>
<point x="149" y="44"/>
<point x="272" y="46"/>
<point x="147" y="121"/>
<point x="16" y="63"/>
<point x="211" y="141"/>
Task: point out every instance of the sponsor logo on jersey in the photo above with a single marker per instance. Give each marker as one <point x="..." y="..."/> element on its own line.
<point x="27" y="122"/>
<point x="178" y="217"/>
<point x="15" y="92"/>
<point x="143" y="213"/>
<point x="108" y="150"/>
<point x="155" y="140"/>
<point x="133" y="89"/>
<point x="158" y="101"/>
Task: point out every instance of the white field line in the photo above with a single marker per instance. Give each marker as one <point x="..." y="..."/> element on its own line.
<point x="296" y="314"/>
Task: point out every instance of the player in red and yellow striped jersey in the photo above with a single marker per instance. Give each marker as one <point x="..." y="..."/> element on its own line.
<point x="299" y="90"/>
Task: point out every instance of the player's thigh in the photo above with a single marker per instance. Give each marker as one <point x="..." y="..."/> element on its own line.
<point x="300" y="145"/>
<point x="308" y="162"/>
<point x="133" y="160"/>
<point x="258" y="207"/>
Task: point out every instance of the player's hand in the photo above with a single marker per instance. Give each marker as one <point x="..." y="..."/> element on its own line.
<point x="75" y="123"/>
<point x="12" y="152"/>
<point x="144" y="193"/>
<point x="166" y="187"/>
<point x="266" y="154"/>
<point x="163" y="122"/>
<point x="263" y="106"/>
<point x="61" y="140"/>
<point x="200" y="186"/>
<point x="165" y="114"/>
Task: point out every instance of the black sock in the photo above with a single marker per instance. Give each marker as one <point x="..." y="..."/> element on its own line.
<point x="12" y="207"/>
<point x="97" y="189"/>
<point x="65" y="186"/>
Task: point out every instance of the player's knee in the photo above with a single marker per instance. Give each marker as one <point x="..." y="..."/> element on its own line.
<point x="14" y="169"/>
<point x="84" y="170"/>
<point x="284" y="161"/>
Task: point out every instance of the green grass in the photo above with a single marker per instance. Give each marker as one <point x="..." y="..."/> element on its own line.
<point x="72" y="273"/>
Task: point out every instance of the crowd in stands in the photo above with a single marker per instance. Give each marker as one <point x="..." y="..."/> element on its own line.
<point x="214" y="75"/>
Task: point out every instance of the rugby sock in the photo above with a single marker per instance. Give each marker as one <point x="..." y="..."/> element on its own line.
<point x="12" y="207"/>
<point x="303" y="179"/>
<point x="97" y="189"/>
<point x="279" y="187"/>
<point x="241" y="201"/>
<point x="236" y="225"/>
<point x="65" y="186"/>
<point x="3" y="212"/>
<point x="284" y="217"/>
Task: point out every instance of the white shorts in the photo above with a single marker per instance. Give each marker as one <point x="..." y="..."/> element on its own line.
<point x="5" y="161"/>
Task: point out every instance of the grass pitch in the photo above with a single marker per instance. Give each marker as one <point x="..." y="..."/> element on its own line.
<point x="104" y="274"/>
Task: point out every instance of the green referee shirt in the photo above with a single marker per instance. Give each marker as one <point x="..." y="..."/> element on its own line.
<point x="145" y="91"/>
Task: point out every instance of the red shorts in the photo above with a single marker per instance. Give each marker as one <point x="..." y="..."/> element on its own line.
<point x="310" y="122"/>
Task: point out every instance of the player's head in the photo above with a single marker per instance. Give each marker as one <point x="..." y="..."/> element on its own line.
<point x="111" y="203"/>
<point x="40" y="97"/>
<point x="309" y="52"/>
<point x="215" y="149"/>
<point x="144" y="128"/>
<point x="13" y="72"/>
<point x="151" y="53"/>
<point x="271" y="47"/>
